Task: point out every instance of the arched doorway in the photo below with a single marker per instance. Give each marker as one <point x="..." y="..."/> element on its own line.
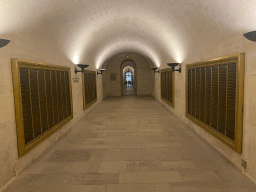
<point x="129" y="80"/>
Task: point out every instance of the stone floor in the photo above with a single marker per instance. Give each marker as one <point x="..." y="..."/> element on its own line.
<point x="129" y="90"/>
<point x="131" y="144"/>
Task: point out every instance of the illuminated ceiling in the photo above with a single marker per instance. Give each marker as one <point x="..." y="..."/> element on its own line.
<point x="91" y="31"/>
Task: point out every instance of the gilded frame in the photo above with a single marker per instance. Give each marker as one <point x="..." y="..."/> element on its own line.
<point x="239" y="59"/>
<point x="16" y="65"/>
<point x="173" y="87"/>
<point x="83" y="84"/>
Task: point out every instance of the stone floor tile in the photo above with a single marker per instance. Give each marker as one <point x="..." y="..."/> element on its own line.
<point x="85" y="167"/>
<point x="140" y="133"/>
<point x="58" y="188"/>
<point x="127" y="138"/>
<point x="166" y="144"/>
<point x="139" y="188"/>
<point x="50" y="179"/>
<point x="100" y="178"/>
<point x="94" y="140"/>
<point x="162" y="154"/>
<point x="70" y="188"/>
<point x="49" y="167"/>
<point x="178" y="165"/>
<point x="113" y="166"/>
<point x="144" y="166"/>
<point x="19" y="188"/>
<point x="97" y="154"/>
<point x="93" y="145"/>
<point x="212" y="164"/>
<point x="70" y="156"/>
<point x="163" y="138"/>
<point x="35" y="168"/>
<point x="150" y="177"/>
<point x="208" y="187"/>
<point x="122" y="155"/>
<point x="129" y="144"/>
<point x="199" y="176"/>
<point x="84" y="146"/>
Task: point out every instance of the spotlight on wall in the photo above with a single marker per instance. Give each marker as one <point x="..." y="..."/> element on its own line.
<point x="250" y="36"/>
<point x="173" y="66"/>
<point x="100" y="71"/>
<point x="82" y="66"/>
<point x="155" y="70"/>
<point x="4" y="42"/>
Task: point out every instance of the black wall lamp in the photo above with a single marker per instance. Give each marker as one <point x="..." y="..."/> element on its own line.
<point x="250" y="36"/>
<point x="82" y="66"/>
<point x="155" y="70"/>
<point x="173" y="66"/>
<point x="4" y="42"/>
<point x="100" y="71"/>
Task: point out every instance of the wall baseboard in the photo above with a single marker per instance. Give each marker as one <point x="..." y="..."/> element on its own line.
<point x="7" y="184"/>
<point x="249" y="177"/>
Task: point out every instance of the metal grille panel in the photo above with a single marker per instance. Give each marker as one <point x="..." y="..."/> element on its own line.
<point x="167" y="86"/>
<point x="89" y="88"/>
<point x="42" y="101"/>
<point x="214" y="97"/>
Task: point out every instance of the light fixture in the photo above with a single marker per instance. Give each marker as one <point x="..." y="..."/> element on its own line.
<point x="155" y="70"/>
<point x="250" y="36"/>
<point x="100" y="71"/>
<point x="173" y="66"/>
<point x="4" y="42"/>
<point x="82" y="66"/>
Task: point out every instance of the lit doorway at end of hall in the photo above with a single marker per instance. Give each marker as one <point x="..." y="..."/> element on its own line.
<point x="128" y="78"/>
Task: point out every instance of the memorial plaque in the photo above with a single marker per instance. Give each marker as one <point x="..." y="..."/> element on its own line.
<point x="89" y="88"/>
<point x="42" y="101"/>
<point x="214" y="97"/>
<point x="167" y="86"/>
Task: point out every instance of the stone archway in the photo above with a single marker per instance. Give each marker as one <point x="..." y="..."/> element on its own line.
<point x="126" y="65"/>
<point x="128" y="76"/>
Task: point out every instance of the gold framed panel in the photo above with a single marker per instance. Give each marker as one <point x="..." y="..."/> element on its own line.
<point x="87" y="91"/>
<point x="164" y="90"/>
<point x="18" y="64"/>
<point x="239" y="61"/>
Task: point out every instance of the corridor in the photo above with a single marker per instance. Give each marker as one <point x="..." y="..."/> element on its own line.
<point x="131" y="144"/>
<point x="128" y="91"/>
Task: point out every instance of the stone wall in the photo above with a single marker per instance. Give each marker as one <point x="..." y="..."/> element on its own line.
<point x="204" y="50"/>
<point x="144" y="75"/>
<point x="10" y="164"/>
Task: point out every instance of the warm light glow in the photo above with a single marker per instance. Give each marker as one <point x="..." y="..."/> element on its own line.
<point x="137" y="38"/>
<point x="179" y="60"/>
<point x="167" y="28"/>
<point x="120" y="47"/>
<point x="128" y="67"/>
<point x="75" y="59"/>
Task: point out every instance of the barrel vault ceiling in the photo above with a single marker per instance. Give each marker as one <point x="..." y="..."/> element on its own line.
<point x="91" y="31"/>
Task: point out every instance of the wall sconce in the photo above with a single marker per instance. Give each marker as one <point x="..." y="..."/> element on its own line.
<point x="155" y="70"/>
<point x="250" y="36"/>
<point x="4" y="42"/>
<point x="173" y="66"/>
<point x="100" y="71"/>
<point x="82" y="66"/>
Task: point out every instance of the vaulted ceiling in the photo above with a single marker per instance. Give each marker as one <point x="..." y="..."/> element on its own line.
<point x="95" y="30"/>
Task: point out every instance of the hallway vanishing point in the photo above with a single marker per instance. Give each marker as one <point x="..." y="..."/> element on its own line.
<point x="131" y="144"/>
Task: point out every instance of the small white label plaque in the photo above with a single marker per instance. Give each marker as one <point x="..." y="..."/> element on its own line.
<point x="75" y="80"/>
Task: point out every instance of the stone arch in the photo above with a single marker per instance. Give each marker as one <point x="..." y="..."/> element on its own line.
<point x="144" y="76"/>
<point x="128" y="63"/>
